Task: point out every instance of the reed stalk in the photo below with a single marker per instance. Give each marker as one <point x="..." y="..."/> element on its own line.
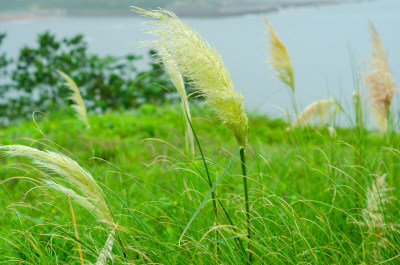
<point x="246" y="199"/>
<point x="202" y="65"/>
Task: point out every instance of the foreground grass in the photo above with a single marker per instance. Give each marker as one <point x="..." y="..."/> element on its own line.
<point x="308" y="192"/>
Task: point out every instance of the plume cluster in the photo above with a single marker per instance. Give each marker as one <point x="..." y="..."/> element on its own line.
<point x="321" y="108"/>
<point x="202" y="65"/>
<point x="373" y="215"/>
<point x="177" y="80"/>
<point x="79" y="105"/>
<point x="380" y="82"/>
<point x="280" y="59"/>
<point x="91" y="196"/>
<point x="377" y="196"/>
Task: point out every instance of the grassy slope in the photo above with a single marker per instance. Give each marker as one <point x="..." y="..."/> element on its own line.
<point x="307" y="190"/>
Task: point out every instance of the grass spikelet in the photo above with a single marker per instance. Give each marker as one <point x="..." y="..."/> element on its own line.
<point x="279" y="57"/>
<point x="379" y="81"/>
<point x="316" y="109"/>
<point x="202" y="65"/>
<point x="92" y="197"/>
<point x="79" y="105"/>
<point x="376" y="198"/>
<point x="106" y="251"/>
<point x="177" y="80"/>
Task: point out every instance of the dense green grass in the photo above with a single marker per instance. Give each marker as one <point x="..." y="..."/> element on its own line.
<point x="307" y="191"/>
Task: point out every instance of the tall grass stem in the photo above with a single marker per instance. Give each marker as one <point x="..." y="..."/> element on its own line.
<point x="246" y="199"/>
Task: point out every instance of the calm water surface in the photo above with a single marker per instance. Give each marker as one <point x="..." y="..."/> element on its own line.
<point x="327" y="44"/>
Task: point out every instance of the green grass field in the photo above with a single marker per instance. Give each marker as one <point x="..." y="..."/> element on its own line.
<point x="309" y="192"/>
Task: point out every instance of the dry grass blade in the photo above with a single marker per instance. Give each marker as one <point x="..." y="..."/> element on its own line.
<point x="202" y="65"/>
<point x="280" y="59"/>
<point x="316" y="109"/>
<point x="379" y="81"/>
<point x="76" y="97"/>
<point x="75" y="228"/>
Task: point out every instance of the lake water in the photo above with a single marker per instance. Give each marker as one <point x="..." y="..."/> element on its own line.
<point x="326" y="44"/>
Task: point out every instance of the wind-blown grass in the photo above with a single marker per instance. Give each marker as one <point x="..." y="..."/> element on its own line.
<point x="92" y="197"/>
<point x="379" y="81"/>
<point x="154" y="198"/>
<point x="322" y="108"/>
<point x="202" y="65"/>
<point x="79" y="105"/>
<point x="279" y="60"/>
<point x="279" y="57"/>
<point x="179" y="84"/>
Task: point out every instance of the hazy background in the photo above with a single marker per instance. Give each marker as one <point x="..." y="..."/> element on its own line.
<point x="328" y="44"/>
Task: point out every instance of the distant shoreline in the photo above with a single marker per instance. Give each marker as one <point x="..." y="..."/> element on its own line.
<point x="183" y="10"/>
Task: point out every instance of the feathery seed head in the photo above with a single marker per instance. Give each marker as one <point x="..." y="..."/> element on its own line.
<point x="319" y="109"/>
<point x="76" y="97"/>
<point x="280" y="59"/>
<point x="380" y="81"/>
<point x="93" y="198"/>
<point x="177" y="80"/>
<point x="376" y="199"/>
<point x="202" y="65"/>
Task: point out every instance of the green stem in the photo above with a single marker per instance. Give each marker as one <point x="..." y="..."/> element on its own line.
<point x="246" y="199"/>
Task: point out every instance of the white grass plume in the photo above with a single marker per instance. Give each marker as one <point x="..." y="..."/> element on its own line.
<point x="79" y="105"/>
<point x="179" y="84"/>
<point x="106" y="251"/>
<point x="379" y="81"/>
<point x="202" y="65"/>
<point x="92" y="197"/>
<point x="279" y="57"/>
<point x="320" y="108"/>
<point x="376" y="198"/>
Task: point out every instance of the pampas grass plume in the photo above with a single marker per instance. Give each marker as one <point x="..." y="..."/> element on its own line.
<point x="279" y="57"/>
<point x="76" y="97"/>
<point x="379" y="81"/>
<point x="202" y="65"/>
<point x="177" y="80"/>
<point x="316" y="109"/>
<point x="92" y="197"/>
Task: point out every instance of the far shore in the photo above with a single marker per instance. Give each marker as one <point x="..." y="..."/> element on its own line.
<point x="182" y="10"/>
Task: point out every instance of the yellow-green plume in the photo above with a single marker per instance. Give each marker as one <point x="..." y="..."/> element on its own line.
<point x="177" y="80"/>
<point x="76" y="97"/>
<point x="316" y="109"/>
<point x="202" y="65"/>
<point x="380" y="82"/>
<point x="279" y="57"/>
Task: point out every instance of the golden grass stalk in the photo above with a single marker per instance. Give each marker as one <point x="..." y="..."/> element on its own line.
<point x="75" y="228"/>
<point x="321" y="108"/>
<point x="202" y="65"/>
<point x="79" y="105"/>
<point x="279" y="57"/>
<point x="179" y="84"/>
<point x="379" y="81"/>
